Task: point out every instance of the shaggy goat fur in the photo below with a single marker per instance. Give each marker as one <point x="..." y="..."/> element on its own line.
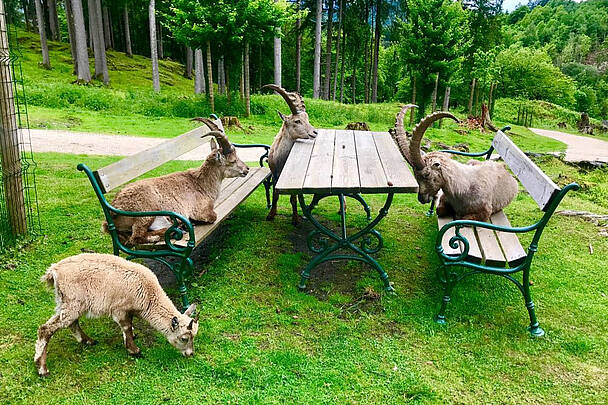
<point x="295" y="126"/>
<point x="475" y="190"/>
<point x="107" y="285"/>
<point x="191" y="193"/>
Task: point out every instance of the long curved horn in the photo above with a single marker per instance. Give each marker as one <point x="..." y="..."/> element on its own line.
<point x="400" y="136"/>
<point x="222" y="139"/>
<point x="293" y="99"/>
<point x="418" y="133"/>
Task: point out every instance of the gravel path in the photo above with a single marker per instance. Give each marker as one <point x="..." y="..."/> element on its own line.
<point x="86" y="143"/>
<point x="579" y="148"/>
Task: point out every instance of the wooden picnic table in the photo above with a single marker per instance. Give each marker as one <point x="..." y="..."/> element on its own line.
<point x="345" y="163"/>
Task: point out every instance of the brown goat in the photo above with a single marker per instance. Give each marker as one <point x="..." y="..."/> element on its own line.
<point x="191" y="193"/>
<point x="295" y="126"/>
<point x="475" y="190"/>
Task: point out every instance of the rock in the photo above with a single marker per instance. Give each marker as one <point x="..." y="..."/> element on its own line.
<point x="358" y="126"/>
<point x="562" y="125"/>
<point x="462" y="147"/>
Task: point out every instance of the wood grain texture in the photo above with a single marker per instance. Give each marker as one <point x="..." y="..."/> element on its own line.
<point x="445" y="243"/>
<point x="511" y="246"/>
<point x="396" y="169"/>
<point x="536" y="182"/>
<point x="490" y="248"/>
<point x="119" y="173"/>
<point x="345" y="175"/>
<point x="318" y="173"/>
<point x="294" y="172"/>
<point x="371" y="172"/>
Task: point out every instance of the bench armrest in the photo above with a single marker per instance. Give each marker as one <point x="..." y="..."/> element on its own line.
<point x="486" y="153"/>
<point x="256" y="145"/>
<point x="173" y="233"/>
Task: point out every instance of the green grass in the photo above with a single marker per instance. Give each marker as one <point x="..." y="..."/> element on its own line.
<point x="262" y="341"/>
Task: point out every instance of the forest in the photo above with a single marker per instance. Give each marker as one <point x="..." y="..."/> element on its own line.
<point x="459" y="53"/>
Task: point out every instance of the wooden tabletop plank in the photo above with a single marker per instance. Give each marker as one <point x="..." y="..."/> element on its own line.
<point x="371" y="172"/>
<point x="345" y="175"/>
<point x="294" y="171"/>
<point x="396" y="169"/>
<point x="318" y="174"/>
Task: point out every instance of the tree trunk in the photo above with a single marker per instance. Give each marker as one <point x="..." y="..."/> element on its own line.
<point x="93" y="29"/>
<point x="298" y="50"/>
<point x="210" y="77"/>
<point x="153" y="46"/>
<point x="26" y="15"/>
<point x="226" y="78"/>
<point x="470" y="107"/>
<point x="337" y="51"/>
<point x="107" y="41"/>
<point x="46" y="62"/>
<point x="342" y="68"/>
<point x="446" y="102"/>
<point x="330" y="18"/>
<point x="10" y="162"/>
<point x="476" y="105"/>
<point x="413" y="100"/>
<point x="199" y="72"/>
<point x="111" y="28"/>
<point x="434" y="95"/>
<point x="246" y="80"/>
<point x="80" y="37"/>
<point x="100" y="50"/>
<point x="492" y="85"/>
<point x="159" y="42"/>
<point x="277" y="56"/>
<point x="376" y="52"/>
<point x="316" y="76"/>
<point x="53" y="20"/>
<point x="91" y="26"/>
<point x="128" y="49"/>
<point x="221" y="78"/>
<point x="366" y="65"/>
<point x="69" y="16"/>
<point x="242" y="78"/>
<point x="188" y="67"/>
<point x="354" y="82"/>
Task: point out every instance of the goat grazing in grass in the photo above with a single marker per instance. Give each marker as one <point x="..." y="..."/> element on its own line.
<point x="475" y="190"/>
<point x="107" y="285"/>
<point x="191" y="193"/>
<point x="295" y="126"/>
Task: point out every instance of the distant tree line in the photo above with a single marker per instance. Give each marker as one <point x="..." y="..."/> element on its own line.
<point x="350" y="51"/>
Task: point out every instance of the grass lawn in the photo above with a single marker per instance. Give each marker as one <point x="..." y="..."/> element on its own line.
<point x="263" y="341"/>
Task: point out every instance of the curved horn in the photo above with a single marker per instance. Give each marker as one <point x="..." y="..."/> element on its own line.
<point x="418" y="133"/>
<point x="293" y="99"/>
<point x="222" y="139"/>
<point x="399" y="135"/>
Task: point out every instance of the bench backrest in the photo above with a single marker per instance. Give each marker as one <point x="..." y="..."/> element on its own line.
<point x="537" y="183"/>
<point x="125" y="170"/>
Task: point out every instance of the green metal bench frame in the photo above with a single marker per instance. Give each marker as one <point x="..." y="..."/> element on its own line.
<point x="449" y="277"/>
<point x="183" y="267"/>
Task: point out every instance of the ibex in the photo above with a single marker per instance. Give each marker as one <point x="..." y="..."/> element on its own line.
<point x="107" y="285"/>
<point x="295" y="126"/>
<point x="475" y="190"/>
<point x="191" y="193"/>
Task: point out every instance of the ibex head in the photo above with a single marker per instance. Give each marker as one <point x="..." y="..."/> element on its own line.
<point x="224" y="155"/>
<point x="427" y="167"/>
<point x="297" y="125"/>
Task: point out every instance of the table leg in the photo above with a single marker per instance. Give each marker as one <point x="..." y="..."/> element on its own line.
<point x="324" y="242"/>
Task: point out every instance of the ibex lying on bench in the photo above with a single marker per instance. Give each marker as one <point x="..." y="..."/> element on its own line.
<point x="474" y="191"/>
<point x="295" y="126"/>
<point x="191" y="193"/>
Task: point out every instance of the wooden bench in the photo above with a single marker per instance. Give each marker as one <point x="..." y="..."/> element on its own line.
<point x="182" y="237"/>
<point x="494" y="247"/>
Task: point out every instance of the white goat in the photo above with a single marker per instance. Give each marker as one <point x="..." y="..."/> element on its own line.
<point x="191" y="193"/>
<point x="475" y="190"/>
<point x="107" y="285"/>
<point x="295" y="126"/>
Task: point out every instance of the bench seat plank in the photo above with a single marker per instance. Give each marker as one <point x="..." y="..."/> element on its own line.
<point x="490" y="247"/>
<point x="512" y="248"/>
<point x="468" y="233"/>
<point x="233" y="192"/>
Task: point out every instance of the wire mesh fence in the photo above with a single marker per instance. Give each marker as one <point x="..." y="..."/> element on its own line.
<point x="19" y="217"/>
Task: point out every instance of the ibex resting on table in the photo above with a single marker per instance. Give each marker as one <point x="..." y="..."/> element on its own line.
<point x="295" y="126"/>
<point x="191" y="193"/>
<point x="475" y="190"/>
<point x="106" y="285"/>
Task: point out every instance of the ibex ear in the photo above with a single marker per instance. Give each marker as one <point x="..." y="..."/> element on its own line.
<point x="213" y="145"/>
<point x="283" y="117"/>
<point x="190" y="310"/>
<point x="190" y="324"/>
<point x="174" y="323"/>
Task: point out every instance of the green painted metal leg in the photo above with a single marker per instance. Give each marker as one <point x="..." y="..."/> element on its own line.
<point x="182" y="271"/>
<point x="449" y="281"/>
<point x="534" y="328"/>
